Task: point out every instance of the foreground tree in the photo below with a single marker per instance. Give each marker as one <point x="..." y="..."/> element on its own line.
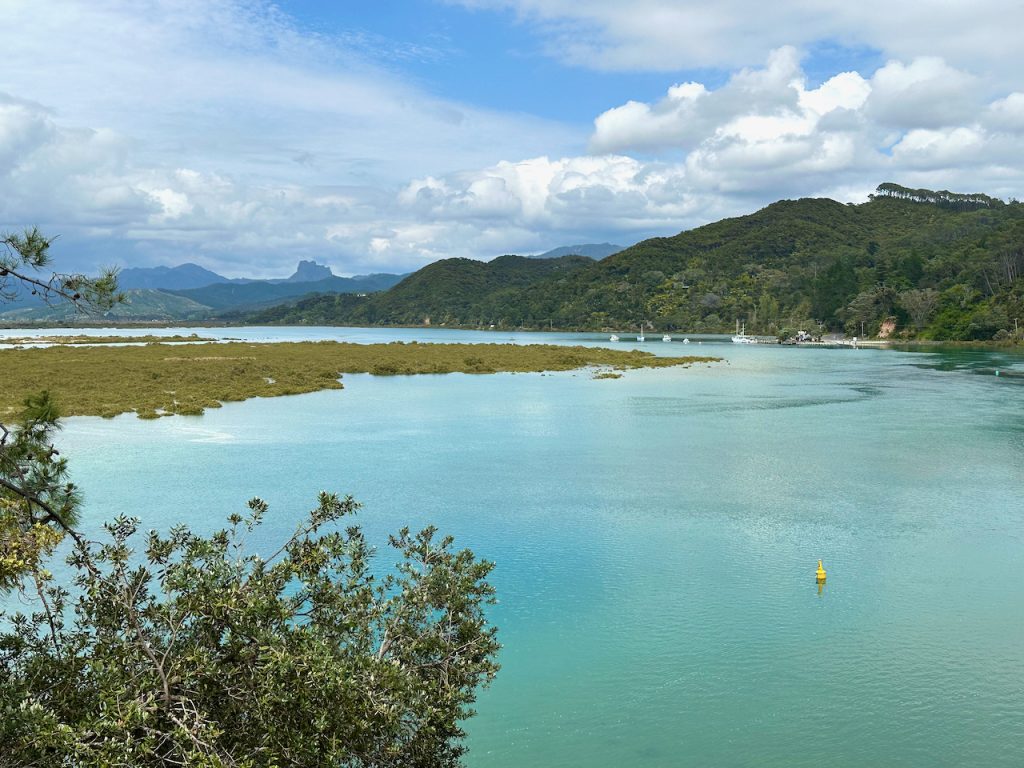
<point x="190" y="650"/>
<point x="204" y="655"/>
<point x="23" y="256"/>
<point x="37" y="504"/>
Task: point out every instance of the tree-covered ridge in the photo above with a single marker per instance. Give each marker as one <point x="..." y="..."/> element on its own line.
<point x="928" y="264"/>
<point x="957" y="201"/>
<point x="449" y="292"/>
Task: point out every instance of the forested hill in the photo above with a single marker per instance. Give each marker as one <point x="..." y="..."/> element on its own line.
<point x="451" y="291"/>
<point x="936" y="264"/>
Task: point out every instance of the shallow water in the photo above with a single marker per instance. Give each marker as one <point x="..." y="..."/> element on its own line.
<point x="656" y="538"/>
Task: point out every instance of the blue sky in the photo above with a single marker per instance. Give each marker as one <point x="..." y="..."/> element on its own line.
<point x="483" y="57"/>
<point x="245" y="135"/>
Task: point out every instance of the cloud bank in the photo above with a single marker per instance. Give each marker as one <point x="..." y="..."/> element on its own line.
<point x="701" y="153"/>
<point x="219" y="132"/>
<point x="667" y="35"/>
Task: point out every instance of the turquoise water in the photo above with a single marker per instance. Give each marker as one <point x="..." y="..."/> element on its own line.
<point x="656" y="538"/>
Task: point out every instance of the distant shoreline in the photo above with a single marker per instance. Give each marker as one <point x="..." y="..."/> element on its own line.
<point x="843" y="341"/>
<point x="158" y="379"/>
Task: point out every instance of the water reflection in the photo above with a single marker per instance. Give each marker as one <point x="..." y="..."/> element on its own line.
<point x="984" y="360"/>
<point x="646" y="531"/>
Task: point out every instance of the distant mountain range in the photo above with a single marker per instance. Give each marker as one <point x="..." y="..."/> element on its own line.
<point x="225" y="296"/>
<point x="181" y="277"/>
<point x="909" y="262"/>
<point x="140" y="305"/>
<point x="191" y="292"/>
<point x="187" y="276"/>
<point x="472" y="291"/>
<point x="310" y="272"/>
<point x="595" y="251"/>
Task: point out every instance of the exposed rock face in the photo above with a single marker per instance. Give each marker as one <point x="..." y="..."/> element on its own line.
<point x="310" y="272"/>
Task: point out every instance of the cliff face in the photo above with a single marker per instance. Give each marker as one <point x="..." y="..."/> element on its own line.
<point x="310" y="272"/>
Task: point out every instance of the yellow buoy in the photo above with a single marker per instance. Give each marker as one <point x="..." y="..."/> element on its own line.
<point x="820" y="573"/>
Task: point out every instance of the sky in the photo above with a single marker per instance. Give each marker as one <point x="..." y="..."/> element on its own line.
<point x="245" y="135"/>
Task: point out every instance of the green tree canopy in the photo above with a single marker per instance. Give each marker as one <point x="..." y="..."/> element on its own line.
<point x="792" y="262"/>
<point x="23" y="256"/>
<point x="35" y="497"/>
<point x="196" y="651"/>
<point x="201" y="651"/>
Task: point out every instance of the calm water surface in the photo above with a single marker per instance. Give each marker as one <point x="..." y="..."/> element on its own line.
<point x="656" y="538"/>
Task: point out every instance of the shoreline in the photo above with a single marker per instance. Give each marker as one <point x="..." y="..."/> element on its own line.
<point x="839" y="342"/>
<point x="158" y="379"/>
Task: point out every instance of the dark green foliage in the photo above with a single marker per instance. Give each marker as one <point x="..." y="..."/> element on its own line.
<point x="831" y="289"/>
<point x="198" y="651"/>
<point x="795" y="263"/>
<point x="34" y="492"/>
<point x="205" y="651"/>
<point x="943" y="197"/>
<point x="22" y="256"/>
<point x="449" y="292"/>
<point x="37" y="503"/>
<point x="35" y="495"/>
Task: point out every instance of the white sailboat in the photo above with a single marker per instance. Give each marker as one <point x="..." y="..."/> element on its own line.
<point x="741" y="335"/>
<point x="613" y="337"/>
<point x="666" y="337"/>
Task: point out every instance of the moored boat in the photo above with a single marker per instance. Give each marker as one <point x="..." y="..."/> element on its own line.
<point x="741" y="336"/>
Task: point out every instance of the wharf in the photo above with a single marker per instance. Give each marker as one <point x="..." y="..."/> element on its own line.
<point x="842" y="343"/>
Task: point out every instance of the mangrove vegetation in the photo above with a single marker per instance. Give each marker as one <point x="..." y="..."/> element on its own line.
<point x="83" y="339"/>
<point x="164" y="379"/>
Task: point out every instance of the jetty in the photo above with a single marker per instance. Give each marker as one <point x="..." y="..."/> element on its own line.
<point x="828" y="343"/>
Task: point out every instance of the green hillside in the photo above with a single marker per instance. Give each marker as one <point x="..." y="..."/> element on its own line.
<point x="228" y="296"/>
<point x="448" y="292"/>
<point x="934" y="264"/>
<point x="142" y="305"/>
<point x="221" y="300"/>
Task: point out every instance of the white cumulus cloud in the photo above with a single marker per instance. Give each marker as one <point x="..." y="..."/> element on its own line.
<point x="701" y="152"/>
<point x="1007" y="114"/>
<point x="210" y="129"/>
<point x="217" y="131"/>
<point x="924" y="93"/>
<point x="755" y="105"/>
